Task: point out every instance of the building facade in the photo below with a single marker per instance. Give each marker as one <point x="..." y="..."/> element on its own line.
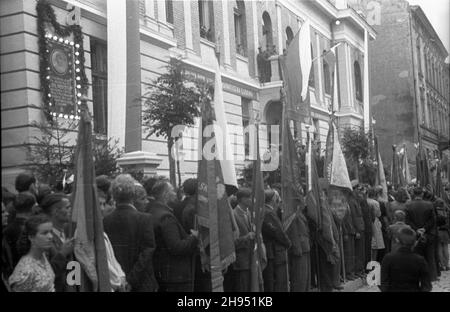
<point x="128" y="43"/>
<point x="409" y="81"/>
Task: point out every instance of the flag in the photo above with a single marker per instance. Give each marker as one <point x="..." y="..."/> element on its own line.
<point x="335" y="166"/>
<point x="313" y="203"/>
<point x="89" y="247"/>
<point x="330" y="59"/>
<point x="225" y="151"/>
<point x="396" y="170"/>
<point x="380" y="177"/>
<point x="405" y="165"/>
<point x="259" y="259"/>
<point x="291" y="187"/>
<point x="214" y="214"/>
<point x="423" y="173"/>
<point x="295" y="68"/>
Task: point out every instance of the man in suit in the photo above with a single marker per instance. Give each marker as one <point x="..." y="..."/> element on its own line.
<point x="244" y="244"/>
<point x="175" y="249"/>
<point x="276" y="241"/>
<point x="359" y="227"/>
<point x="131" y="235"/>
<point x="403" y="270"/>
<point x="420" y="216"/>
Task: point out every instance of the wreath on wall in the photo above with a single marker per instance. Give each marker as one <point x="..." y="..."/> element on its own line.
<point x="51" y="32"/>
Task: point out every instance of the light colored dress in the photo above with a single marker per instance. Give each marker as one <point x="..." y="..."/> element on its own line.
<point x="377" y="234"/>
<point x="31" y="275"/>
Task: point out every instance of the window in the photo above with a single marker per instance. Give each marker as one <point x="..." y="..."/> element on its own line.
<point x="99" y="85"/>
<point x="240" y="28"/>
<point x="245" y="123"/>
<point x="358" y="81"/>
<point x="206" y="16"/>
<point x="327" y="77"/>
<point x="311" y="82"/>
<point x="289" y="36"/>
<point x="169" y="11"/>
<point x="267" y="30"/>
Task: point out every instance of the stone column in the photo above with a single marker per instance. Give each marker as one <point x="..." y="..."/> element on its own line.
<point x="366" y="83"/>
<point x="280" y="29"/>
<point x="226" y="35"/>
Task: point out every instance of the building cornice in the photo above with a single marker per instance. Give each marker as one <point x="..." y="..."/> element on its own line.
<point x="420" y="15"/>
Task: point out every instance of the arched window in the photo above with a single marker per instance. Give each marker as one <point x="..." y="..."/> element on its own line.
<point x="267" y="30"/>
<point x="358" y="81"/>
<point x="169" y="11"/>
<point x="240" y="26"/>
<point x="206" y="17"/>
<point x="311" y="82"/>
<point x="289" y="36"/>
<point x="327" y="77"/>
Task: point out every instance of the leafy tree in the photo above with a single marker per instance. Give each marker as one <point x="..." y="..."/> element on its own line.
<point x="106" y="154"/>
<point x="173" y="99"/>
<point x="356" y="146"/>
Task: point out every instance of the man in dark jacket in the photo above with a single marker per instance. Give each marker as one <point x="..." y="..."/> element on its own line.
<point x="175" y="249"/>
<point x="349" y="238"/>
<point x="359" y="227"/>
<point x="420" y="216"/>
<point x="277" y="243"/>
<point x="131" y="235"/>
<point x="244" y="244"/>
<point x="403" y="270"/>
<point x="368" y="219"/>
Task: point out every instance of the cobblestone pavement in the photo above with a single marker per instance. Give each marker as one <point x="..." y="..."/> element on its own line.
<point x="443" y="285"/>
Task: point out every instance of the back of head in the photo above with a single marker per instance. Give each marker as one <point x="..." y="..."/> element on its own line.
<point x="372" y="193"/>
<point x="139" y="191"/>
<point x="123" y="188"/>
<point x="399" y="216"/>
<point x="50" y="201"/>
<point x="190" y="187"/>
<point x="269" y="195"/>
<point x="243" y="193"/>
<point x="159" y="188"/>
<point x="24" y="181"/>
<point x="417" y="192"/>
<point x="150" y="182"/>
<point x="103" y="183"/>
<point x="407" y="237"/>
<point x="401" y="195"/>
<point x="24" y="202"/>
<point x="43" y="190"/>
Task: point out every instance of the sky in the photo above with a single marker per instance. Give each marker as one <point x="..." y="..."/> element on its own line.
<point x="438" y="13"/>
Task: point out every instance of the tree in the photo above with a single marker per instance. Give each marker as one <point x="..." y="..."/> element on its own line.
<point x="356" y="146"/>
<point x="173" y="100"/>
<point x="51" y="154"/>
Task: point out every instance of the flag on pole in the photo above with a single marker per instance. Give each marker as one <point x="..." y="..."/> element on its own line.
<point x="405" y="165"/>
<point x="89" y="247"/>
<point x="295" y="68"/>
<point x="330" y="59"/>
<point x="224" y="150"/>
<point x="214" y="217"/>
<point x="380" y="177"/>
<point x="258" y="256"/>
<point x="335" y="166"/>
<point x="313" y="202"/>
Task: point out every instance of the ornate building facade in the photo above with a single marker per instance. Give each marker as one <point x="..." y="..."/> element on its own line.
<point x="128" y="43"/>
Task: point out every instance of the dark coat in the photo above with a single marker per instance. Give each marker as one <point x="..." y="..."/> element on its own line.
<point x="242" y="244"/>
<point x="133" y="242"/>
<point x="404" y="271"/>
<point x="357" y="215"/>
<point x="420" y="214"/>
<point x="188" y="213"/>
<point x="175" y="249"/>
<point x="275" y="239"/>
<point x="299" y="236"/>
<point x="12" y="234"/>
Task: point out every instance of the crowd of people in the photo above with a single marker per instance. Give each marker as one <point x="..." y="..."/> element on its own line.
<point x="152" y="242"/>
